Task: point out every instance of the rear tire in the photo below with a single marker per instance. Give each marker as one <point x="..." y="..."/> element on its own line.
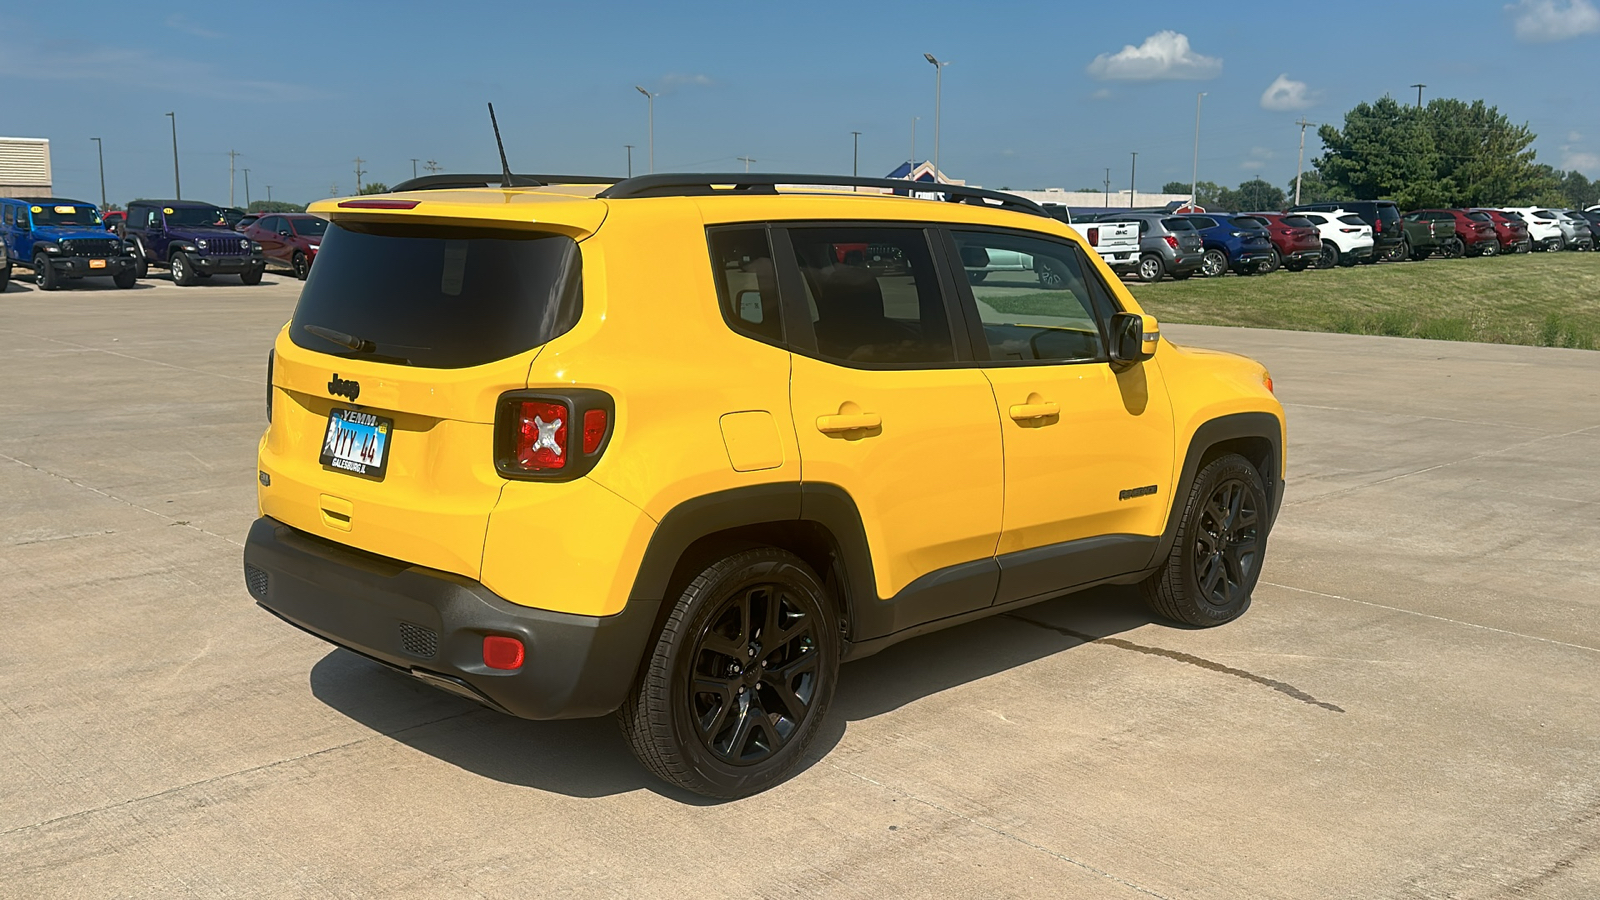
<point x="1492" y="248"/>
<point x="1330" y="255"/>
<point x="1453" y="249"/>
<point x="5" y="277"/>
<point x="973" y="277"/>
<point x="1151" y="268"/>
<point x="1273" y="263"/>
<point x="44" y="273"/>
<point x="183" y="273"/>
<point x="1400" y="252"/>
<point x="708" y="713"/>
<point x="1215" y="561"/>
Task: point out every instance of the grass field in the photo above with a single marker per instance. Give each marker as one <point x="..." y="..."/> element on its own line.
<point x="1537" y="299"/>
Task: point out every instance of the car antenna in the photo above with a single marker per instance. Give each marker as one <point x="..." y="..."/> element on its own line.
<point x="505" y="168"/>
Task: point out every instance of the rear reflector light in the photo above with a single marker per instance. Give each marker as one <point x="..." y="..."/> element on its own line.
<point x="1171" y="241"/>
<point x="594" y="429"/>
<point x="1094" y="237"/>
<point x="501" y="652"/>
<point x="541" y="436"/>
<point x="378" y="204"/>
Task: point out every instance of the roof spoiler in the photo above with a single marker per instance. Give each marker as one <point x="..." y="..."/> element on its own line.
<point x="458" y="182"/>
<point x="718" y="184"/>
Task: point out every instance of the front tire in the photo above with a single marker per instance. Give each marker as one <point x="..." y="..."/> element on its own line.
<point x="973" y="277"/>
<point x="740" y="677"/>
<point x="124" y="279"/>
<point x="1151" y="268"/>
<point x="1215" y="264"/>
<point x="302" y="269"/>
<point x="251" y="276"/>
<point x="1216" y="558"/>
<point x="141" y="264"/>
<point x="5" y="277"/>
<point x="183" y="273"/>
<point x="44" y="273"/>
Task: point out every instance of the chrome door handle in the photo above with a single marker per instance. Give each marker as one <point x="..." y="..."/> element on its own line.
<point x="841" y="423"/>
<point x="1025" y="412"/>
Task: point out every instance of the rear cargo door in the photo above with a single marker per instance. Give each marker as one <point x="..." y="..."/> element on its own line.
<point x="386" y="382"/>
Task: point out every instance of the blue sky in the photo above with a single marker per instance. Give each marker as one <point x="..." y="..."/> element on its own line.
<point x="1037" y="94"/>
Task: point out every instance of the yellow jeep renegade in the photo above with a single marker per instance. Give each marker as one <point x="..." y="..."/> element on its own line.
<point x="677" y="446"/>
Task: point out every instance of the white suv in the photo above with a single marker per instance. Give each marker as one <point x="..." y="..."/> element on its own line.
<point x="1544" y="227"/>
<point x="1346" y="237"/>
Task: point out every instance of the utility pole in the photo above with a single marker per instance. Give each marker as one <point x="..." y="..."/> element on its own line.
<point x="247" y="190"/>
<point x="1419" y="88"/>
<point x="359" y="173"/>
<point x="177" y="186"/>
<point x="1108" y="187"/>
<point x="333" y="189"/>
<point x="432" y="166"/>
<point x="413" y="167"/>
<point x="232" y="155"/>
<point x="630" y="159"/>
<point x="855" y="155"/>
<point x="102" y="148"/>
<point x="746" y="160"/>
<point x="1194" y="177"/>
<point x="269" y="193"/>
<point x="1133" y="180"/>
<point x="1300" y="164"/>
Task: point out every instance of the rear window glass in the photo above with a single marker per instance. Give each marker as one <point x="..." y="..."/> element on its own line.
<point x="1250" y="222"/>
<point x="1352" y="219"/>
<point x="1178" y="224"/>
<point x="1297" y="222"/>
<point x="434" y="297"/>
<point x="1388" y="213"/>
<point x="1480" y="216"/>
<point x="309" y="227"/>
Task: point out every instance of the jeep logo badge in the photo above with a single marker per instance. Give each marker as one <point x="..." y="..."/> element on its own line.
<point x="339" y="387"/>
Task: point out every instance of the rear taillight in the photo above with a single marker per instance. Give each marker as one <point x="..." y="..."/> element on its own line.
<point x="1377" y="227"/>
<point x="1094" y="237"/>
<point x="1171" y="241"/>
<point x="271" y="356"/>
<point x="551" y="436"/>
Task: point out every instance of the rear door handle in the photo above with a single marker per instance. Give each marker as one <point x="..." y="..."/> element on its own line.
<point x="1025" y="412"/>
<point x="854" y="422"/>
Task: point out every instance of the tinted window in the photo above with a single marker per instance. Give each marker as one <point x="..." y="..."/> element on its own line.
<point x="309" y="227"/>
<point x="5" y="214"/>
<point x="439" y="297"/>
<point x="1250" y="222"/>
<point x="1479" y="216"/>
<point x="1388" y="213"/>
<point x="1317" y="220"/>
<point x="50" y="214"/>
<point x="1352" y="219"/>
<point x="747" y="286"/>
<point x="1298" y="222"/>
<point x="873" y="295"/>
<point x="1178" y="224"/>
<point x="269" y="224"/>
<point x="1033" y="297"/>
<point x="196" y="216"/>
<point x="1202" y="222"/>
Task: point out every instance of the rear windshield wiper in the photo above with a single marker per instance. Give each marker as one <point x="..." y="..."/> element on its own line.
<point x="342" y="339"/>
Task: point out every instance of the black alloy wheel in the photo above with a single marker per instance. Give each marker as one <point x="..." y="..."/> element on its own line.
<point x="1454" y="248"/>
<point x="1330" y="256"/>
<point x="44" y="273"/>
<point x="1215" y="264"/>
<point x="739" y="679"/>
<point x="1216" y="555"/>
<point x="302" y="266"/>
<point x="1399" y="252"/>
<point x="1151" y="268"/>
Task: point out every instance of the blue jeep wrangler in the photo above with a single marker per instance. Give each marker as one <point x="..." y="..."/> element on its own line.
<point x="60" y="239"/>
<point x="193" y="239"/>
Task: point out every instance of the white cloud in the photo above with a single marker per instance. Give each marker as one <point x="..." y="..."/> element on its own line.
<point x="1574" y="136"/>
<point x="52" y="61"/>
<point x="1580" y="161"/>
<point x="1286" y="95"/>
<point x="1165" y="55"/>
<point x="1540" y="21"/>
<point x="1258" y="159"/>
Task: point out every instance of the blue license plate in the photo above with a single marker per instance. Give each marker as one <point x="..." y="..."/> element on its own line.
<point x="357" y="442"/>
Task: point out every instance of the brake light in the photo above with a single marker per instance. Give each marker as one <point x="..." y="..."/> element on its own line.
<point x="1171" y="241"/>
<point x="1377" y="227"/>
<point x="541" y="436"/>
<point x="378" y="204"/>
<point x="1094" y="237"/>
<point x="501" y="652"/>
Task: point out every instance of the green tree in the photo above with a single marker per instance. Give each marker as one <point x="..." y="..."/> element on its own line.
<point x="376" y="187"/>
<point x="274" y="206"/>
<point x="1313" y="189"/>
<point x="1254" y="195"/>
<point x="1385" y="150"/>
<point x="1205" y="192"/>
<point x="1483" y="160"/>
<point x="1578" y="191"/>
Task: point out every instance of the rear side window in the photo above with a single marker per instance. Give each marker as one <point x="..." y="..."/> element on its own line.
<point x="1317" y="220"/>
<point x="873" y="295"/>
<point x="1201" y="222"/>
<point x="444" y="298"/>
<point x="747" y="284"/>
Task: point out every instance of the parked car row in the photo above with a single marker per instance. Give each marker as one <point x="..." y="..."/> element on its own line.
<point x="1345" y="233"/>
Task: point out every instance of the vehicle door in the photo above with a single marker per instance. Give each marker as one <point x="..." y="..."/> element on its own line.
<point x="1088" y="450"/>
<point x="8" y="236"/>
<point x="889" y="410"/>
<point x="269" y="231"/>
<point x="22" y="246"/>
<point x="1211" y="234"/>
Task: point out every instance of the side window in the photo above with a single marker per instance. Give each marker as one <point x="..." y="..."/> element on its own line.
<point x="1034" y="297"/>
<point x="873" y="295"/>
<point x="1202" y="222"/>
<point x="747" y="284"/>
<point x="5" y="214"/>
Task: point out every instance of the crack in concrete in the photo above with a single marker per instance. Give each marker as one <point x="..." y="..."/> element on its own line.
<point x="110" y="496"/>
<point x="1281" y="687"/>
<point x="1003" y="833"/>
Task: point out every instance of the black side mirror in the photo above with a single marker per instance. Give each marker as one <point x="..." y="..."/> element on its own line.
<point x="1128" y="340"/>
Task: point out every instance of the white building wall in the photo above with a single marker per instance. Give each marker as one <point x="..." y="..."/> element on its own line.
<point x="25" y="167"/>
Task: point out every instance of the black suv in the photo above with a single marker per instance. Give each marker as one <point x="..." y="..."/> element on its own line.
<point x="1388" y="237"/>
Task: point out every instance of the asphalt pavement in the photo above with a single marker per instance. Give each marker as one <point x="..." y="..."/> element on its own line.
<point x="1411" y="708"/>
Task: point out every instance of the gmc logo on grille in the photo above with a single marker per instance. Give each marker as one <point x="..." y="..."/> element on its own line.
<point x="340" y="387"/>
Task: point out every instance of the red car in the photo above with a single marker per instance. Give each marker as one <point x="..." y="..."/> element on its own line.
<point x="288" y="238"/>
<point x="116" y="221"/>
<point x="1476" y="230"/>
<point x="1295" y="243"/>
<point x="1512" y="231"/>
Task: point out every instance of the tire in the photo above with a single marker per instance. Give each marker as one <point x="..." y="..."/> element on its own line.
<point x="1216" y="558"/>
<point x="1330" y="255"/>
<point x="702" y="669"/>
<point x="1151" y="268"/>
<point x="183" y="273"/>
<point x="44" y="274"/>
<point x="1556" y="244"/>
<point x="251" y="276"/>
<point x="1492" y="248"/>
<point x="1273" y="263"/>
<point x="141" y="264"/>
<point x="125" y="279"/>
<point x="1453" y="248"/>
<point x="5" y="277"/>
<point x="302" y="269"/>
<point x="1296" y="265"/>
<point x="1182" y="276"/>
<point x="1399" y="252"/>
<point x="1215" y="264"/>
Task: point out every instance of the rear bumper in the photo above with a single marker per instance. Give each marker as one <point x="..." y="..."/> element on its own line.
<point x="431" y="625"/>
<point x="1120" y="260"/>
<point x="1190" y="262"/>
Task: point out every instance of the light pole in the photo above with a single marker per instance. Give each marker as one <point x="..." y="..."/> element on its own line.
<point x="855" y="154"/>
<point x="1133" y="179"/>
<point x="246" y="190"/>
<point x="938" y="87"/>
<point x="913" y="158"/>
<point x="269" y="193"/>
<point x="102" y="149"/>
<point x="413" y="167"/>
<point x="651" y="99"/>
<point x="177" y="186"/>
<point x="630" y="159"/>
<point x="1300" y="164"/>
<point x="1194" y="176"/>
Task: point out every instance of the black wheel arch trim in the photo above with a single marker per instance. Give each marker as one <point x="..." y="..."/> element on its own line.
<point x="1248" y="428"/>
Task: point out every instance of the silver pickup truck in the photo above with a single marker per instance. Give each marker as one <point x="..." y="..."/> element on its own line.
<point x="1116" y="242"/>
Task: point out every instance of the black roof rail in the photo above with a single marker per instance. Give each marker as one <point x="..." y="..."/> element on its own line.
<point x="457" y="182"/>
<point x="716" y="184"/>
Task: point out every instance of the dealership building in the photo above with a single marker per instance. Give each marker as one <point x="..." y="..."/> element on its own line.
<point x="25" y="167"/>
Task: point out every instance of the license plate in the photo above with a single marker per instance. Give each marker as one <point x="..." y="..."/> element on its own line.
<point x="357" y="442"/>
<point x="97" y="264"/>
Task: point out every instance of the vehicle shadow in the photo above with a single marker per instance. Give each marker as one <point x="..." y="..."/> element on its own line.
<point x="588" y="757"/>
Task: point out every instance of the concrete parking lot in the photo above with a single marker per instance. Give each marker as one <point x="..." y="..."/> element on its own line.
<point x="1410" y="709"/>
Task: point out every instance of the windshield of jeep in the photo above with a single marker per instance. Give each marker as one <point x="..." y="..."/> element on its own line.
<point x="52" y="216"/>
<point x="438" y="297"/>
<point x="196" y="217"/>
